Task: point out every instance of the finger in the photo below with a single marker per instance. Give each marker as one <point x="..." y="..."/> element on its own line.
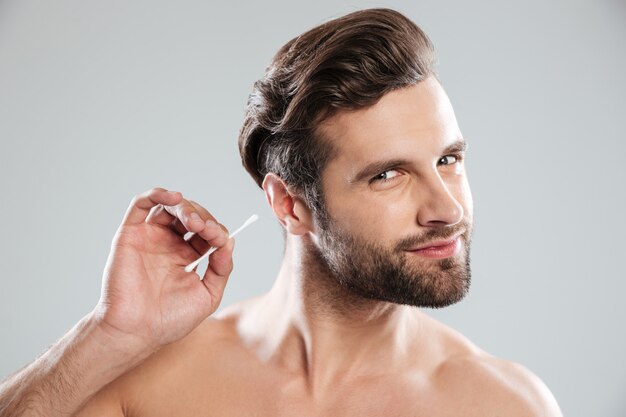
<point x="212" y="235"/>
<point x="158" y="215"/>
<point x="141" y="204"/>
<point x="206" y="215"/>
<point x="219" y="269"/>
<point x="162" y="217"/>
<point x="186" y="217"/>
<point x="202" y="212"/>
<point x="200" y="242"/>
<point x="182" y="222"/>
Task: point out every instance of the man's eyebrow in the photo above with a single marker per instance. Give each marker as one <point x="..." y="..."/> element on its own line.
<point x="458" y="146"/>
<point x="377" y="167"/>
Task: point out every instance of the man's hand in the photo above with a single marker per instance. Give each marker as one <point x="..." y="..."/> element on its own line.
<point x="147" y="297"/>
<point x="147" y="301"/>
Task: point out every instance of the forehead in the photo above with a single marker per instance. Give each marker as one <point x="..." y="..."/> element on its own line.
<point x="419" y="116"/>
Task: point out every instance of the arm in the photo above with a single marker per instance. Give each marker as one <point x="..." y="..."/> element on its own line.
<point x="61" y="380"/>
<point x="147" y="302"/>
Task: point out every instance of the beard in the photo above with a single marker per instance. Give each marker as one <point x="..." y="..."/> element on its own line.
<point x="377" y="272"/>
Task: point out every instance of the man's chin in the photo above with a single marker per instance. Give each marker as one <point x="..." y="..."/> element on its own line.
<point x="407" y="293"/>
<point x="447" y="301"/>
<point x="446" y="286"/>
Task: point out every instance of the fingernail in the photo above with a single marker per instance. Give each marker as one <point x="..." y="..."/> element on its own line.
<point x="194" y="216"/>
<point x="210" y="223"/>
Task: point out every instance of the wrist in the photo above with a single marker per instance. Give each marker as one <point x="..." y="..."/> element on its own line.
<point x="73" y="369"/>
<point x="95" y="357"/>
<point x="127" y="347"/>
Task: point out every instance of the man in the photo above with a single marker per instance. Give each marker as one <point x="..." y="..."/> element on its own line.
<point x="357" y="148"/>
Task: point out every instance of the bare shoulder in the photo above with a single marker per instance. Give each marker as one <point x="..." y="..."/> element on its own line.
<point x="177" y="367"/>
<point x="489" y="384"/>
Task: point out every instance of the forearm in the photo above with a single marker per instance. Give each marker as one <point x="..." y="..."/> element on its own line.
<point x="62" y="379"/>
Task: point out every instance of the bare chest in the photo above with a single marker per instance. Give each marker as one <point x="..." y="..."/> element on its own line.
<point x="264" y="395"/>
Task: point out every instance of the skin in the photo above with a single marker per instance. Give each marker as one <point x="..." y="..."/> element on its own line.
<point x="311" y="347"/>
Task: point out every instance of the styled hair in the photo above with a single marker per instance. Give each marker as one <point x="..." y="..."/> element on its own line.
<point x="347" y="63"/>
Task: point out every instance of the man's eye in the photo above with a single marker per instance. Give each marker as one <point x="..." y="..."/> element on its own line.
<point x="386" y="175"/>
<point x="457" y="156"/>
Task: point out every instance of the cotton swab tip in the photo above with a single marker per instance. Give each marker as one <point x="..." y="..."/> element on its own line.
<point x="248" y="222"/>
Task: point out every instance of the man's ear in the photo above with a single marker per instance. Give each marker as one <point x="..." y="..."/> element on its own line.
<point x="289" y="209"/>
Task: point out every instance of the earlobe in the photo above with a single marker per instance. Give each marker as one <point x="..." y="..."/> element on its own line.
<point x="290" y="211"/>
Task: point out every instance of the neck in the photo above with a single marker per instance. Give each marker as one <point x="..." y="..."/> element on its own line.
<point x="312" y="325"/>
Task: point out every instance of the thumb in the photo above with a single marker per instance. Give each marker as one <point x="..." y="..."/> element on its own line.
<point x="219" y="269"/>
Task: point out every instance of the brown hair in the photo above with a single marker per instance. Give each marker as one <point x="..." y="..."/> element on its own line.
<point x="346" y="63"/>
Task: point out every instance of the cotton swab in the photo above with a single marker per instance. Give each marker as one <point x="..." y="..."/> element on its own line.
<point x="195" y="263"/>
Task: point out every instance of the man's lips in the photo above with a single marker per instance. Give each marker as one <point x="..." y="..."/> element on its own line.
<point x="439" y="249"/>
<point x="438" y="243"/>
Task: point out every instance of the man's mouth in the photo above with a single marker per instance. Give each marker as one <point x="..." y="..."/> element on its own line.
<point x="440" y="248"/>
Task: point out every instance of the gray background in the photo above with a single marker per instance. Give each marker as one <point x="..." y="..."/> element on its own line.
<point x="100" y="101"/>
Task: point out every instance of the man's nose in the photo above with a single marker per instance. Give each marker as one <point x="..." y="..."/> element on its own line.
<point x="438" y="205"/>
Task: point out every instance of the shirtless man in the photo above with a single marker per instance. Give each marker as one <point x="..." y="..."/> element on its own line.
<point x="357" y="148"/>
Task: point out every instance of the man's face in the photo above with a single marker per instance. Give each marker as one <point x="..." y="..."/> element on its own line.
<point x="393" y="187"/>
